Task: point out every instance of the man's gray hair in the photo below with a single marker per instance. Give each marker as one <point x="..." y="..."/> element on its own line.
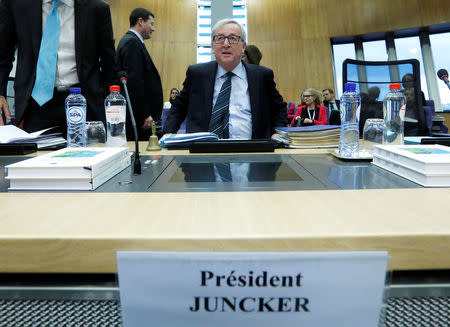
<point x="226" y="21"/>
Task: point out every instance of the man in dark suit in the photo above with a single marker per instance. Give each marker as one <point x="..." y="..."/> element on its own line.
<point x="144" y="82"/>
<point x="85" y="58"/>
<point x="332" y="105"/>
<point x="254" y="108"/>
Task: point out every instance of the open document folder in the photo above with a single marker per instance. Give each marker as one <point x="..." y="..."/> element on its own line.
<point x="184" y="140"/>
<point x="44" y="138"/>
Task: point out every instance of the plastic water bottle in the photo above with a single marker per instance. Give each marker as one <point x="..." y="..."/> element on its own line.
<point x="115" y="108"/>
<point x="349" y="135"/>
<point x="76" y="118"/>
<point x="394" y="107"/>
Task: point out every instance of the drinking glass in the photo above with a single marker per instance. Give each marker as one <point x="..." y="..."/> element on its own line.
<point x="372" y="133"/>
<point x="95" y="133"/>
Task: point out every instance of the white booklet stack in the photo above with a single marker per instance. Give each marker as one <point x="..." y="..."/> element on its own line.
<point x="427" y="165"/>
<point x="68" y="169"/>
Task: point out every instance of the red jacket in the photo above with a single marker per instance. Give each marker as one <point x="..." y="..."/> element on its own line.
<point x="321" y="120"/>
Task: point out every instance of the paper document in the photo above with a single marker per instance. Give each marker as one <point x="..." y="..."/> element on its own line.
<point x="43" y="138"/>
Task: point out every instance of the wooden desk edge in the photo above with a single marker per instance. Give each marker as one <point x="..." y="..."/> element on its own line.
<point x="99" y="255"/>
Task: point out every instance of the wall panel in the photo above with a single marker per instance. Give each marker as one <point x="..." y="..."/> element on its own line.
<point x="294" y="35"/>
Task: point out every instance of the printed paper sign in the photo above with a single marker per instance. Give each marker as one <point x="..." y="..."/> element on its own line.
<point x="313" y="289"/>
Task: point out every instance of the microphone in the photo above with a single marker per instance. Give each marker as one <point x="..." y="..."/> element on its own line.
<point x="137" y="161"/>
<point x="443" y="75"/>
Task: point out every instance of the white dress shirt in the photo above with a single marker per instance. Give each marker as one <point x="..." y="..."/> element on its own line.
<point x="240" y="111"/>
<point x="66" y="67"/>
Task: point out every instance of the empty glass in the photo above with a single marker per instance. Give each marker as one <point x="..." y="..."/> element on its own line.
<point x="372" y="133"/>
<point x="95" y="133"/>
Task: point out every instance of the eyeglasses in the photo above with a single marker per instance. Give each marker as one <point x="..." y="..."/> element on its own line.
<point x="232" y="39"/>
<point x="307" y="95"/>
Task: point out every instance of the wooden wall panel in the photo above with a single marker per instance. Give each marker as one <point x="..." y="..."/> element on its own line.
<point x="173" y="44"/>
<point x="294" y="35"/>
<point x="294" y="40"/>
<point x="433" y="12"/>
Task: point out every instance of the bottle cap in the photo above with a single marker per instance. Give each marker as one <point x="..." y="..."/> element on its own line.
<point x="350" y="87"/>
<point x="394" y="86"/>
<point x="76" y="90"/>
<point x="114" y="88"/>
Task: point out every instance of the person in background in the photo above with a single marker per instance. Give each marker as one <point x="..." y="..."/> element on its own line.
<point x="252" y="55"/>
<point x="173" y="94"/>
<point x="408" y="83"/>
<point x="370" y="107"/>
<point x="60" y="44"/>
<point x="227" y="96"/>
<point x="374" y="94"/>
<point x="332" y="105"/>
<point x="291" y="107"/>
<point x="411" y="106"/>
<point x="312" y="113"/>
<point x="144" y="82"/>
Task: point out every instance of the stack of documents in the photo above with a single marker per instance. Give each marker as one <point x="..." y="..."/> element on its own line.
<point x="68" y="169"/>
<point x="184" y="140"/>
<point x="45" y="138"/>
<point x="427" y="165"/>
<point x="310" y="136"/>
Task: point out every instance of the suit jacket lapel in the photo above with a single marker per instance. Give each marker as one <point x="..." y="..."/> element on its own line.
<point x="209" y="82"/>
<point x="253" y="91"/>
<point x="81" y="14"/>
<point x="36" y="26"/>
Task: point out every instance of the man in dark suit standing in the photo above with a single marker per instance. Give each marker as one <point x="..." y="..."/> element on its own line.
<point x="144" y="82"/>
<point x="227" y="96"/>
<point x="332" y="105"/>
<point x="60" y="44"/>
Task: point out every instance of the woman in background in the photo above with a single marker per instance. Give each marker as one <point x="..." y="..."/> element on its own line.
<point x="173" y="94"/>
<point x="312" y="112"/>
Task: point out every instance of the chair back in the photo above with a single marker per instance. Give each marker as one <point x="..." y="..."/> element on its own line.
<point x="372" y="79"/>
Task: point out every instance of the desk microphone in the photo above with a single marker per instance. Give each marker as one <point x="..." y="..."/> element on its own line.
<point x="443" y="75"/>
<point x="137" y="161"/>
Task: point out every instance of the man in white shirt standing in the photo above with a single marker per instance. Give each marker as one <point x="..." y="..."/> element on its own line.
<point x="228" y="97"/>
<point x="78" y="34"/>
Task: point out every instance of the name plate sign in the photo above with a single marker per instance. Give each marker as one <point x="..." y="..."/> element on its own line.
<point x="313" y="289"/>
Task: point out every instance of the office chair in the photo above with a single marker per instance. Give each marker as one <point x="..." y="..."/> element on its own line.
<point x="372" y="80"/>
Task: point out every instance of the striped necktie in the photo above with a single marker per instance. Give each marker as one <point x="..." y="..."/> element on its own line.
<point x="220" y="115"/>
<point x="48" y="53"/>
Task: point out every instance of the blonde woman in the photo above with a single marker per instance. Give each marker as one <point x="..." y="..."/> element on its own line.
<point x="312" y="112"/>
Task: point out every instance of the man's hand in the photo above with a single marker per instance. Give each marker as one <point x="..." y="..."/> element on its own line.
<point x="308" y="121"/>
<point x="148" y="123"/>
<point x="5" y="109"/>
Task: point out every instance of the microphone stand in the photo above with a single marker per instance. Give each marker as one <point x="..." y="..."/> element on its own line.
<point x="137" y="161"/>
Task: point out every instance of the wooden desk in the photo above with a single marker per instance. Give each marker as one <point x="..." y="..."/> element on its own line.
<point x="80" y="232"/>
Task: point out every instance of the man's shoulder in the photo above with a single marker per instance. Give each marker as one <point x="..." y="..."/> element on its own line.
<point x="204" y="66"/>
<point x="129" y="39"/>
<point x="95" y="4"/>
<point x="259" y="68"/>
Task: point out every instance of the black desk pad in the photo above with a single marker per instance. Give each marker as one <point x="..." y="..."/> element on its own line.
<point x="250" y="172"/>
